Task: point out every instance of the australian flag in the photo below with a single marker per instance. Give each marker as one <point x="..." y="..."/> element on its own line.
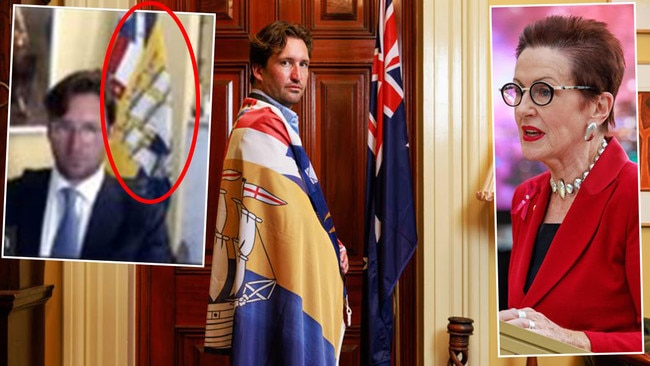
<point x="391" y="236"/>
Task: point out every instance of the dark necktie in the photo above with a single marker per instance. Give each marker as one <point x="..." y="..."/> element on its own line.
<point x="65" y="241"/>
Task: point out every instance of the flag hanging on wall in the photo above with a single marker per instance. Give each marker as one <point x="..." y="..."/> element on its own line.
<point x="139" y="80"/>
<point x="391" y="236"/>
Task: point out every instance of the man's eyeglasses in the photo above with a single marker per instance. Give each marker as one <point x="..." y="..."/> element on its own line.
<point x="541" y="92"/>
<point x="86" y="130"/>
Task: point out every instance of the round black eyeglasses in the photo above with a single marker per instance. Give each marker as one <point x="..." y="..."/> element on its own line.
<point x="541" y="92"/>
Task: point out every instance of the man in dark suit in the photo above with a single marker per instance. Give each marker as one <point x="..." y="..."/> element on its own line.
<point x="74" y="210"/>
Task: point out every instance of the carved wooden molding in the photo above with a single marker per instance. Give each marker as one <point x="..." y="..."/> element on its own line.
<point x="22" y="329"/>
<point x="459" y="330"/>
<point x="338" y="9"/>
<point x="342" y="18"/>
<point x="15" y="300"/>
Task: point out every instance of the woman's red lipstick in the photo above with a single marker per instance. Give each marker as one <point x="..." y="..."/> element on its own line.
<point x="530" y="133"/>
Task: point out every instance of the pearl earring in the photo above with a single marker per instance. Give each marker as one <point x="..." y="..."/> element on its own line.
<point x="590" y="131"/>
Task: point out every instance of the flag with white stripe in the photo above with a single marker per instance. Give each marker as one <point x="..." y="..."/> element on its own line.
<point x="391" y="236"/>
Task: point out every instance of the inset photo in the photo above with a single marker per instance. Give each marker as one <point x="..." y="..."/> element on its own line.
<point x="566" y="179"/>
<point x="108" y="142"/>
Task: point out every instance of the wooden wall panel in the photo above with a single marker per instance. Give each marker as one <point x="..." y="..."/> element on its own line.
<point x="191" y="284"/>
<point x="187" y="341"/>
<point x="224" y="9"/>
<point x="339" y="9"/>
<point x="342" y="18"/>
<point x="230" y="50"/>
<point x="155" y="315"/>
<point x="346" y="52"/>
<point x="5" y="41"/>
<point x="6" y="14"/>
<point x="339" y="151"/>
<point x="335" y="139"/>
<point x="230" y="14"/>
<point x="227" y="91"/>
<point x="293" y="11"/>
<point x="351" y="350"/>
<point x="239" y="18"/>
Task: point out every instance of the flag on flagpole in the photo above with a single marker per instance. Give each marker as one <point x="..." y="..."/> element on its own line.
<point x="391" y="236"/>
<point x="139" y="80"/>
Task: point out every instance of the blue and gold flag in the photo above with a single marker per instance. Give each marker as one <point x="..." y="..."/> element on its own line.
<point x="276" y="292"/>
<point x="139" y="80"/>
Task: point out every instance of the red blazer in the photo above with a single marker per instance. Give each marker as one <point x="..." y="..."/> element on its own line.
<point x="590" y="278"/>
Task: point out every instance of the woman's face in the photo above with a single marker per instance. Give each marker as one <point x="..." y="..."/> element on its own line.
<point x="549" y="133"/>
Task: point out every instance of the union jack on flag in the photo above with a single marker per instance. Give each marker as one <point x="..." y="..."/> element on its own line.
<point x="140" y="82"/>
<point x="391" y="236"/>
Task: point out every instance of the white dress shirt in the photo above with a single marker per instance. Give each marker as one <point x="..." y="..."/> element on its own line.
<point x="86" y="194"/>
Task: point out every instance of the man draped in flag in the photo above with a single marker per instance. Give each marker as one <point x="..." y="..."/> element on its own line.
<point x="138" y="77"/>
<point x="276" y="291"/>
<point x="391" y="236"/>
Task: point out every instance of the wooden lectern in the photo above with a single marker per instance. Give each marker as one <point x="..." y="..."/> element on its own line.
<point x="518" y="341"/>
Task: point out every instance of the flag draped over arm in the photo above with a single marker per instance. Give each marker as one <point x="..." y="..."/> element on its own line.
<point x="391" y="236"/>
<point x="139" y="80"/>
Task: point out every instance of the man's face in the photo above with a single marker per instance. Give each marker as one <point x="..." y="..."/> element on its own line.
<point x="284" y="77"/>
<point x="76" y="138"/>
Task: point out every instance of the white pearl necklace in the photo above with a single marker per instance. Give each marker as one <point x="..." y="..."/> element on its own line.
<point x="562" y="188"/>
